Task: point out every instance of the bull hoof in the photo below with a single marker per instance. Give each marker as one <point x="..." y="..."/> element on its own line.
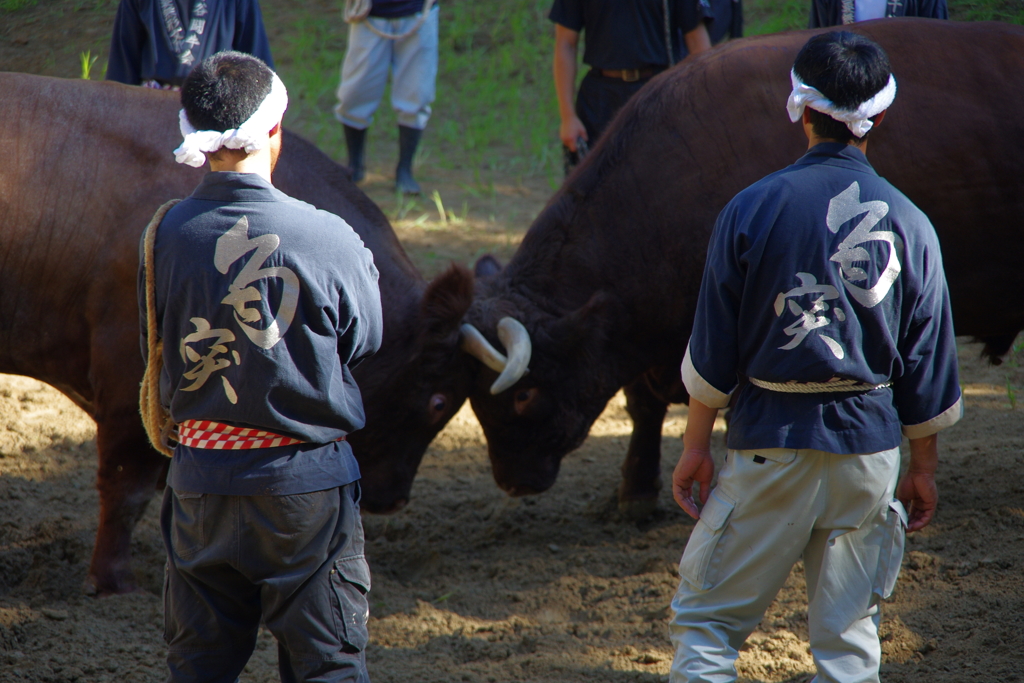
<point x="637" y="509"/>
<point x="95" y="587"/>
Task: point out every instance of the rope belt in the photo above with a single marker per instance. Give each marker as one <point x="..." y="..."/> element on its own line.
<point x="218" y="436"/>
<point x="833" y="385"/>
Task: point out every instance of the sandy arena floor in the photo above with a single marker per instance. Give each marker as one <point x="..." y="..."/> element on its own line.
<point x="470" y="585"/>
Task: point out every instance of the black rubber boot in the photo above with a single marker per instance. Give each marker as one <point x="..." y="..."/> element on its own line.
<point x="355" y="140"/>
<point x="408" y="140"/>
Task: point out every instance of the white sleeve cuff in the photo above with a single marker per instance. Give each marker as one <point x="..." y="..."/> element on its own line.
<point x="946" y="418"/>
<point x="699" y="388"/>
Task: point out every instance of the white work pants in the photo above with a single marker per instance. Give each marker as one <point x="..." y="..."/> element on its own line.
<point x="769" y="508"/>
<point x="369" y="58"/>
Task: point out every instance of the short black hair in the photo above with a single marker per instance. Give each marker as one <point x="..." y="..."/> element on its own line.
<point x="224" y="90"/>
<point x="848" y="69"/>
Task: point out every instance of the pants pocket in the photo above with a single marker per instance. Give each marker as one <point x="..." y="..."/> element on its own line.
<point x="700" y="550"/>
<point x="350" y="582"/>
<point x="187" y="533"/>
<point x="890" y="556"/>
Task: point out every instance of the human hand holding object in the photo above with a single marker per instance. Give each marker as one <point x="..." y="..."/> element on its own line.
<point x="695" y="466"/>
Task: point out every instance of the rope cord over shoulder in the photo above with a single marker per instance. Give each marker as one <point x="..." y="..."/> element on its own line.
<point x="359" y="11"/>
<point x="155" y="418"/>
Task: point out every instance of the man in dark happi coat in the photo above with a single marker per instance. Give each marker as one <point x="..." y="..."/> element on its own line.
<point x="824" y="317"/>
<point x="264" y="305"/>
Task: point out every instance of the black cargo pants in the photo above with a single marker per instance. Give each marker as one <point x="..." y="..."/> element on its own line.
<point x="295" y="561"/>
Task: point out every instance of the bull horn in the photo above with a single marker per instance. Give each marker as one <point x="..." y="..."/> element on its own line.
<point x="477" y="346"/>
<point x="517" y="344"/>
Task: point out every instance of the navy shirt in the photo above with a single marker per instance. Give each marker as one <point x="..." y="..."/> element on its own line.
<point x="264" y="305"/>
<point x="141" y="48"/>
<point x="630" y="34"/>
<point x="393" y="9"/>
<point x="824" y="270"/>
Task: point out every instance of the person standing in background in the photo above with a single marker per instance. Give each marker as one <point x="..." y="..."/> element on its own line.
<point x="625" y="46"/>
<point x="839" y="12"/>
<point x="399" y="36"/>
<point x="156" y="42"/>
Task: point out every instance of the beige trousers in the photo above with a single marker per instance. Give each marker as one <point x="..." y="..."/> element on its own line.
<point x="771" y="507"/>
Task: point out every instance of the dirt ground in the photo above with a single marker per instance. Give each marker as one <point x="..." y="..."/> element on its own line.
<point x="470" y="585"/>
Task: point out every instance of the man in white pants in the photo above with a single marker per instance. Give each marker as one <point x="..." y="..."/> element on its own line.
<point x="399" y="36"/>
<point x="824" y="317"/>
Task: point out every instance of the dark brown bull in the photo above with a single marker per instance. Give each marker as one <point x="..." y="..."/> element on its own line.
<point x="84" y="167"/>
<point x="606" y="279"/>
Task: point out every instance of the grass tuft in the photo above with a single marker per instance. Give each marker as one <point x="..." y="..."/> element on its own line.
<point x="14" y="5"/>
<point x="88" y="60"/>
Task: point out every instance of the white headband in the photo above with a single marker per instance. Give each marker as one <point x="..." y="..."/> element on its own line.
<point x="858" y="120"/>
<point x="251" y="135"/>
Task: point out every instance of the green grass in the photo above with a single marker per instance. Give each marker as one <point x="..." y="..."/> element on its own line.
<point x="495" y="106"/>
<point x="495" y="109"/>
<point x="773" y="16"/>
<point x="7" y="6"/>
<point x="13" y="5"/>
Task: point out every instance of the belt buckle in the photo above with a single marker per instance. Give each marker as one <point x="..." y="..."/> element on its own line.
<point x="630" y="75"/>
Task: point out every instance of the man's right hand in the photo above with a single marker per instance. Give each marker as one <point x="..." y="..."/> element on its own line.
<point x="570" y="131"/>
<point x="916" y="489"/>
<point x="920" y="496"/>
<point x="695" y="466"/>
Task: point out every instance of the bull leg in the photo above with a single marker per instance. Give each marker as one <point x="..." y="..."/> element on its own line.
<point x="641" y="470"/>
<point x="129" y="473"/>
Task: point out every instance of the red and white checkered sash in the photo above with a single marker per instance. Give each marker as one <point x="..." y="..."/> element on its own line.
<point x="218" y="436"/>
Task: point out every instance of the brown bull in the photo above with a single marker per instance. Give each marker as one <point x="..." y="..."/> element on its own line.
<point x="84" y="167"/>
<point x="605" y="281"/>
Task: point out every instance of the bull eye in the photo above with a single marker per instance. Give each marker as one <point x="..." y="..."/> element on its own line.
<point x="438" y="404"/>
<point x="524" y="398"/>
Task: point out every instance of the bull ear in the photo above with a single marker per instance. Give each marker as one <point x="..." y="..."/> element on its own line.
<point x="446" y="300"/>
<point x="487" y="266"/>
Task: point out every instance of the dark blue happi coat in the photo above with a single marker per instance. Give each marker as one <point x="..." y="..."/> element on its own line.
<point x="264" y="305"/>
<point x="824" y="270"/>
<point x="142" y="48"/>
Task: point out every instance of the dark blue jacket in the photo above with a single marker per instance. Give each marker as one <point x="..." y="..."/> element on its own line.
<point x="141" y="49"/>
<point x="824" y="270"/>
<point x="264" y="305"/>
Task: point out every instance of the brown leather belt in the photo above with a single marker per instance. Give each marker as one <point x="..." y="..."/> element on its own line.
<point x="628" y="75"/>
